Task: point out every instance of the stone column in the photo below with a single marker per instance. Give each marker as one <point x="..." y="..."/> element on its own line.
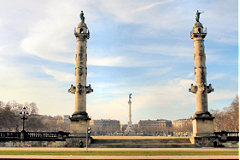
<point x="80" y="117"/>
<point x="203" y="120"/>
<point x="129" y="130"/>
<point x="129" y="113"/>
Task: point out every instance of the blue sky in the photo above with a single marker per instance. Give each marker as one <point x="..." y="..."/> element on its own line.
<point x="138" y="46"/>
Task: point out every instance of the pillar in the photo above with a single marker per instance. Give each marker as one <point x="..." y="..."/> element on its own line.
<point x="80" y="118"/>
<point x="129" y="130"/>
<point x="202" y="120"/>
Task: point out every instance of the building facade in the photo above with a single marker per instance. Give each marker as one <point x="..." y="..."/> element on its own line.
<point x="182" y="127"/>
<point x="104" y="127"/>
<point x="159" y="127"/>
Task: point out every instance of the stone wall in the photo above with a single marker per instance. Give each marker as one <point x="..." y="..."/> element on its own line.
<point x="69" y="142"/>
<point x="33" y="144"/>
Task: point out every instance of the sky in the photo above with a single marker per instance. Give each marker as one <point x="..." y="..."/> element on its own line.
<point x="141" y="47"/>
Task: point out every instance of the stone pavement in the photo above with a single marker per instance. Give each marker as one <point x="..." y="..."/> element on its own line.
<point x="8" y="157"/>
<point x="117" y="149"/>
<point x="18" y="157"/>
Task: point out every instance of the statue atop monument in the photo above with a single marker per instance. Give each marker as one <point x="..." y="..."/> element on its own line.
<point x="198" y="15"/>
<point x="130" y="96"/>
<point x="82" y="16"/>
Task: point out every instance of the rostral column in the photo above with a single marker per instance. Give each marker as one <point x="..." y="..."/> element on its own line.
<point x="80" y="118"/>
<point x="202" y="120"/>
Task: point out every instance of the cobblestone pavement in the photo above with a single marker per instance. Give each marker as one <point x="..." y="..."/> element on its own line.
<point x="18" y="157"/>
<point x="116" y="149"/>
<point x="8" y="157"/>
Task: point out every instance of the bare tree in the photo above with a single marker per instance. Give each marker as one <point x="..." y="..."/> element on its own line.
<point x="10" y="119"/>
<point x="228" y="119"/>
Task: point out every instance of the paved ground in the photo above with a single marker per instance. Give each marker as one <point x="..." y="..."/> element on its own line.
<point x="6" y="157"/>
<point x="116" y="149"/>
<point x="18" y="157"/>
<point x="137" y="137"/>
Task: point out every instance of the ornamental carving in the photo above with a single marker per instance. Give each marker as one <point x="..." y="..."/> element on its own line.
<point x="81" y="49"/>
<point x="203" y="78"/>
<point x="72" y="89"/>
<point x="80" y="70"/>
<point x="193" y="89"/>
<point x="80" y="88"/>
<point x="202" y="88"/>
<point x="89" y="89"/>
<point x="81" y="56"/>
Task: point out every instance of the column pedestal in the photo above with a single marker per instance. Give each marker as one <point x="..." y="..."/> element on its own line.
<point x="78" y="128"/>
<point x="78" y="131"/>
<point x="79" y="123"/>
<point x="203" y="126"/>
<point x="203" y="130"/>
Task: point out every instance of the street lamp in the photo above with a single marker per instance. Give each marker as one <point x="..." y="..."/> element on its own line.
<point x="24" y="116"/>
<point x="88" y="132"/>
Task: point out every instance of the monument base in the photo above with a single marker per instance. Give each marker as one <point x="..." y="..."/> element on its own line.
<point x="78" y="127"/>
<point x="78" y="141"/>
<point x="79" y="135"/>
<point x="79" y="123"/>
<point x="131" y="133"/>
<point x="203" y="130"/>
<point x="203" y="124"/>
<point x="204" y="141"/>
<point x="129" y="130"/>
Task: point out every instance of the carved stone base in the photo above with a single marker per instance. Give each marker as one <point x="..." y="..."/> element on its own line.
<point x="78" y="141"/>
<point x="79" y="116"/>
<point x="79" y="124"/>
<point x="203" y="125"/>
<point x="78" y="127"/>
<point x="203" y="115"/>
<point x="205" y="141"/>
<point x="129" y="131"/>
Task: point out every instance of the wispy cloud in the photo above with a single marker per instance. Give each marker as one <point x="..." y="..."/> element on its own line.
<point x="216" y="76"/>
<point x="59" y="76"/>
<point x="149" y="6"/>
<point x="17" y="85"/>
<point x="108" y="61"/>
<point x="222" y="95"/>
<point x="166" y="50"/>
<point x="158" y="71"/>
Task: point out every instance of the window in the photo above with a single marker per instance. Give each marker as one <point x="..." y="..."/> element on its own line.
<point x="81" y="30"/>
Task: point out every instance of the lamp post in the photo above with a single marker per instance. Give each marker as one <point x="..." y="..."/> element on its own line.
<point x="24" y="116"/>
<point x="88" y="131"/>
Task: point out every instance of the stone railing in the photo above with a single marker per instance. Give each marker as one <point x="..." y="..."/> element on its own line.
<point x="34" y="136"/>
<point x="9" y="136"/>
<point x="227" y="136"/>
<point x="46" y="135"/>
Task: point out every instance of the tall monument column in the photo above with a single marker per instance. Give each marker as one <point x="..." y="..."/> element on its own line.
<point x="80" y="118"/>
<point x="129" y="130"/>
<point x="130" y="111"/>
<point x="202" y="120"/>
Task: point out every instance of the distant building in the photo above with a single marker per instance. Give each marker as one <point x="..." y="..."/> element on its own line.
<point x="160" y="127"/>
<point x="123" y="127"/>
<point x="105" y="126"/>
<point x="182" y="127"/>
<point x="66" y="118"/>
<point x="181" y="122"/>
